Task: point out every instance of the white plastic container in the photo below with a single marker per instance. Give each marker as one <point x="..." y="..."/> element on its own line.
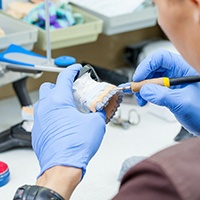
<point x="17" y="32"/>
<point x="20" y="33"/>
<point x="143" y="18"/>
<point x="140" y="18"/>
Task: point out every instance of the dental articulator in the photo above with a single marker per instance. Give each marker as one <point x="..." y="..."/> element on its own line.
<point x="16" y="65"/>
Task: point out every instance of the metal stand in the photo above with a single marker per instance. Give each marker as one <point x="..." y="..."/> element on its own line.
<point x="17" y="136"/>
<point x="21" y="92"/>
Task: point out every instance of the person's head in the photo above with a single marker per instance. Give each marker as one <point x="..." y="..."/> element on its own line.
<point x="180" y="20"/>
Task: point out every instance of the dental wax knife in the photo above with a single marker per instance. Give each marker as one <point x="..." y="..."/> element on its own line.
<point x="163" y="81"/>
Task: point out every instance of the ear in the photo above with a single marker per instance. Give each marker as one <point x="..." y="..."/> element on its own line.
<point x="196" y="6"/>
<point x="195" y="1"/>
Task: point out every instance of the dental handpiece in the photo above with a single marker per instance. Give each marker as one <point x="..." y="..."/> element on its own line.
<point x="163" y="81"/>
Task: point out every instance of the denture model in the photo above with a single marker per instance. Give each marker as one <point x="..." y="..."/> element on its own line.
<point x="92" y="96"/>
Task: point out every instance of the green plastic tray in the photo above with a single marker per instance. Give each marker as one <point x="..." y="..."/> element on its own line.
<point x="74" y="35"/>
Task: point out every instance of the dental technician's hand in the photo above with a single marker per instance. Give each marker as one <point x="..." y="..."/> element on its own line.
<point x="183" y="100"/>
<point x="61" y="135"/>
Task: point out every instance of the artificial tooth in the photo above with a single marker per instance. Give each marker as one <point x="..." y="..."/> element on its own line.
<point x="99" y="106"/>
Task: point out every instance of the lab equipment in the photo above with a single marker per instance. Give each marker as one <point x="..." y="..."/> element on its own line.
<point x="16" y="136"/>
<point x="132" y="119"/>
<point x="64" y="61"/>
<point x="135" y="53"/>
<point x="68" y="124"/>
<point x="17" y="62"/>
<point x="4" y="174"/>
<point x="92" y="96"/>
<point x="20" y="59"/>
<point x="23" y="35"/>
<point x="19" y="135"/>
<point x="163" y="81"/>
<point x="182" y="100"/>
<point x="73" y="35"/>
<point x="107" y="8"/>
<point x="121" y="16"/>
<point x="108" y="75"/>
<point x="17" y="32"/>
<point x="61" y="15"/>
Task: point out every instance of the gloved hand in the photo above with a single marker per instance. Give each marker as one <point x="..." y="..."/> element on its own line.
<point x="183" y="100"/>
<point x="61" y="134"/>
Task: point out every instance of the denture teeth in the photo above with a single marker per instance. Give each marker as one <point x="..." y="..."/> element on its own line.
<point x="111" y="116"/>
<point x="113" y="92"/>
<point x="90" y="95"/>
<point x="99" y="106"/>
<point x="106" y="103"/>
<point x="105" y="99"/>
<point x="109" y="95"/>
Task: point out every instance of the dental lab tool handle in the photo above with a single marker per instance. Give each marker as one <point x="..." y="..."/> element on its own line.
<point x="164" y="81"/>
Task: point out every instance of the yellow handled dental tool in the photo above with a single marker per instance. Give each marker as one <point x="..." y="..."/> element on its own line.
<point x="163" y="81"/>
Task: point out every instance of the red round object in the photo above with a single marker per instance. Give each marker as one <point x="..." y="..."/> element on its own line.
<point x="3" y="167"/>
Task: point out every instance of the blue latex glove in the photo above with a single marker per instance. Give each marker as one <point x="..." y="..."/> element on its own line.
<point x="183" y="100"/>
<point x="61" y="134"/>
